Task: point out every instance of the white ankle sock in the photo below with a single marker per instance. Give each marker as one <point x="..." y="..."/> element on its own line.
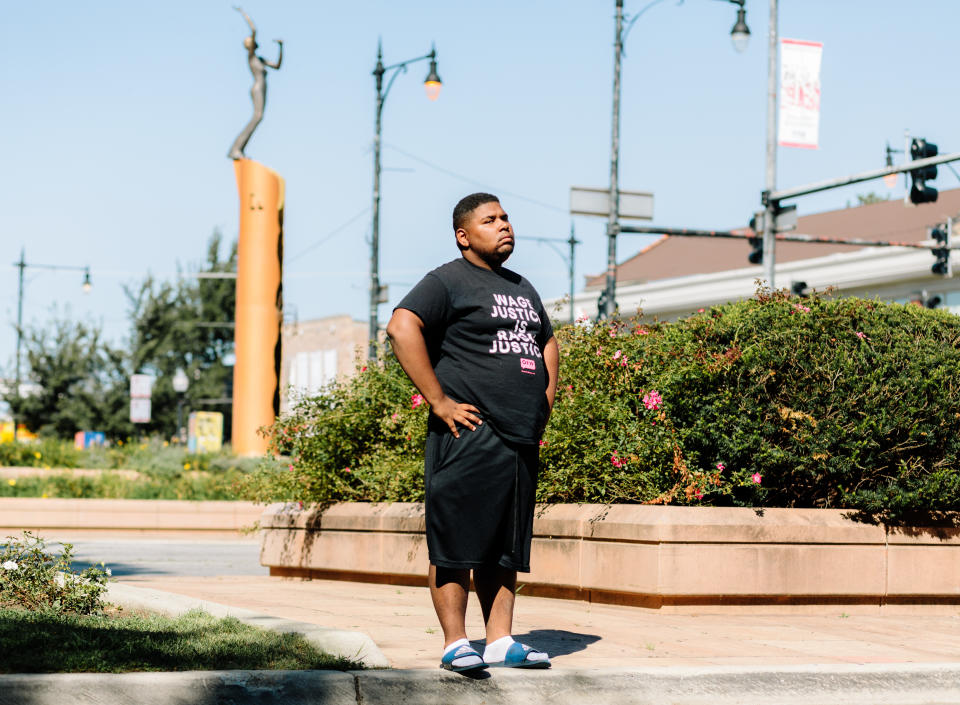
<point x="461" y="661"/>
<point x="497" y="650"/>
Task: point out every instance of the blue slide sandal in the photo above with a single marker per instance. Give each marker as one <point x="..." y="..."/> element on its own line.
<point x="518" y="657"/>
<point x="464" y="651"/>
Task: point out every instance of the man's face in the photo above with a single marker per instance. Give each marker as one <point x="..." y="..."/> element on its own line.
<point x="488" y="233"/>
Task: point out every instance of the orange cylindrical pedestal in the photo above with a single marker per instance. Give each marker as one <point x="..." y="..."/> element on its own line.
<point x="259" y="315"/>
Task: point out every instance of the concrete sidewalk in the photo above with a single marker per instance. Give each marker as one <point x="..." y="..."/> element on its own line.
<point x="579" y="635"/>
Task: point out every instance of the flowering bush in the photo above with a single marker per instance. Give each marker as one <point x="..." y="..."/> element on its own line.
<point x="775" y="401"/>
<point x="32" y="579"/>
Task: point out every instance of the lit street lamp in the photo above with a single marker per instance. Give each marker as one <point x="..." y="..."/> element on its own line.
<point x="432" y="84"/>
<point x="22" y="265"/>
<point x="740" y="35"/>
<point x="180" y="384"/>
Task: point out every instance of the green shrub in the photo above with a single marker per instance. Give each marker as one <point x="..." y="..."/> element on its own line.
<point x="34" y="580"/>
<point x="775" y="401"/>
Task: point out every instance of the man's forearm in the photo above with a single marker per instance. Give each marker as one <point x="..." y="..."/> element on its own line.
<point x="551" y="361"/>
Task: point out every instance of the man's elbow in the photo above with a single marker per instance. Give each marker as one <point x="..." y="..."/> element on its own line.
<point x="397" y="326"/>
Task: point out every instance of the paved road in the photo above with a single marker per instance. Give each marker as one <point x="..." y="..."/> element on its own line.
<point x="165" y="557"/>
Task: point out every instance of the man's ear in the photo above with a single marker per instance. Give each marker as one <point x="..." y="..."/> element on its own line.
<point x="462" y="239"/>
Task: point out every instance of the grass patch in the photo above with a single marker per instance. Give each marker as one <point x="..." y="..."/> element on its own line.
<point x="38" y="642"/>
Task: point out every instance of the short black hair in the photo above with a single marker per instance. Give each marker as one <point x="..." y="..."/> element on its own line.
<point x="468" y="204"/>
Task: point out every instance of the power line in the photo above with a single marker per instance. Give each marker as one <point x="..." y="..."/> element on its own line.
<point x="468" y="180"/>
<point x="328" y="236"/>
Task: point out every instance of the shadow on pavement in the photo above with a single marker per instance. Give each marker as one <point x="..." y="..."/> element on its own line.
<point x="556" y="642"/>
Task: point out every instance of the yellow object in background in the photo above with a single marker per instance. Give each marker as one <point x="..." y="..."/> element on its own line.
<point x="204" y="432"/>
<point x="6" y="433"/>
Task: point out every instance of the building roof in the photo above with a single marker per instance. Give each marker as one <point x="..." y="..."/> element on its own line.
<point x="671" y="257"/>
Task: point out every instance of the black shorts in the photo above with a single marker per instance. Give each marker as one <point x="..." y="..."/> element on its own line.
<point x="480" y="494"/>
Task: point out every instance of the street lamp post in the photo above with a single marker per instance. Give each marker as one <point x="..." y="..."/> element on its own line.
<point x="180" y="384"/>
<point x="740" y="34"/>
<point x="22" y="265"/>
<point x="770" y="184"/>
<point x="432" y="83"/>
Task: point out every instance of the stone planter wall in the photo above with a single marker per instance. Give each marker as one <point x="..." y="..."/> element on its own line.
<point x="654" y="556"/>
<point x="167" y="517"/>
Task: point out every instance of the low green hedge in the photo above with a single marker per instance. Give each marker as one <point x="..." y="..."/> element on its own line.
<point x="775" y="401"/>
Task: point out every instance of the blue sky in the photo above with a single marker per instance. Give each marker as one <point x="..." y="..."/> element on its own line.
<point x="119" y="116"/>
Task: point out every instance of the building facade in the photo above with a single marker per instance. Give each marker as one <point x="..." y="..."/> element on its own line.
<point x="315" y="353"/>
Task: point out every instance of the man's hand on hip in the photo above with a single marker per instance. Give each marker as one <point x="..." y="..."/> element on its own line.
<point x="452" y="413"/>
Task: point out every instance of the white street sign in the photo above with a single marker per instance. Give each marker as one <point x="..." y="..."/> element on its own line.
<point x="139" y="410"/>
<point x="141" y="386"/>
<point x="635" y="205"/>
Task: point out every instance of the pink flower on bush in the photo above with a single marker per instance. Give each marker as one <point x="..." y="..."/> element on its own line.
<point x="394" y="416"/>
<point x="721" y="467"/>
<point x="291" y="468"/>
<point x="416" y="400"/>
<point x="642" y="331"/>
<point x="756" y="477"/>
<point x="613" y="332"/>
<point x="363" y="369"/>
<point x="698" y="494"/>
<point x="700" y="310"/>
<point x="347" y="470"/>
<point x="617" y="461"/>
<point x="800" y="308"/>
<point x="862" y="335"/>
<point x="652" y="400"/>
<point x="617" y="354"/>
<point x="543" y="443"/>
<point x="569" y="387"/>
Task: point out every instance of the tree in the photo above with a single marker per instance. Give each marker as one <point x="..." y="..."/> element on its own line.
<point x="866" y="199"/>
<point x="83" y="383"/>
<point x="188" y="325"/>
<point x="75" y="377"/>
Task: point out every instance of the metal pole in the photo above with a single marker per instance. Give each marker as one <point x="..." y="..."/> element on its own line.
<point x="613" y="220"/>
<point x="375" y="232"/>
<point x="769" y="243"/>
<point x="21" y="265"/>
<point x="573" y="249"/>
<point x="806" y="189"/>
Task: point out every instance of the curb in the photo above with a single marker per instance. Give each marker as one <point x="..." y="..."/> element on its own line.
<point x="901" y="684"/>
<point x="347" y="644"/>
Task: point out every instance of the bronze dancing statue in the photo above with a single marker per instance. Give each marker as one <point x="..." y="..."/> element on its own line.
<point x="258" y="67"/>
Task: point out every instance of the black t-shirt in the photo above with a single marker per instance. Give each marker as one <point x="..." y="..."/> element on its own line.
<point x="485" y="332"/>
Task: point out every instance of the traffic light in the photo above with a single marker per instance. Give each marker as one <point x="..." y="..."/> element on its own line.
<point x="919" y="191"/>
<point x="756" y="242"/>
<point x="941" y="234"/>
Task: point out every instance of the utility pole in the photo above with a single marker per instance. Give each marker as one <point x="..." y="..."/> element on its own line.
<point x="573" y="245"/>
<point x="21" y="265"/>
<point x="613" y="220"/>
<point x="769" y="241"/>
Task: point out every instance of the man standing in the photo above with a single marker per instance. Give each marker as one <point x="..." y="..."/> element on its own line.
<point x="475" y="340"/>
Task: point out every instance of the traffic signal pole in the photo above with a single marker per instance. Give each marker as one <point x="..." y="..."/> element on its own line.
<point x="818" y="186"/>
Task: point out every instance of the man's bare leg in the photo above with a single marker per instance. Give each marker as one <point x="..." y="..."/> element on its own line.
<point x="496" y="587"/>
<point x="449" y="589"/>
